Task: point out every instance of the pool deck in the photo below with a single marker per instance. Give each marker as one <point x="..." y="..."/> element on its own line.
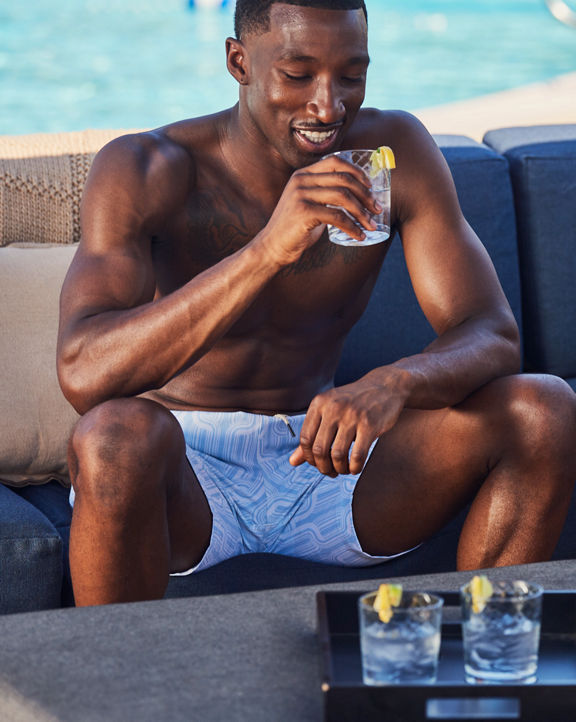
<point x="547" y="103"/>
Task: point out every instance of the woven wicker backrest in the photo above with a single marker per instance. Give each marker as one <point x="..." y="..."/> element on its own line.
<point x="41" y="182"/>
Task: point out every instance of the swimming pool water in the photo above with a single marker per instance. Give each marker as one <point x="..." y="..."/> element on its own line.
<point x="77" y="64"/>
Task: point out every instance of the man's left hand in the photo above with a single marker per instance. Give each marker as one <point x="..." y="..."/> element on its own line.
<point x="358" y="413"/>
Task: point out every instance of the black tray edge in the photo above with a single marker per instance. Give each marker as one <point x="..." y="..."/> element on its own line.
<point x="324" y="637"/>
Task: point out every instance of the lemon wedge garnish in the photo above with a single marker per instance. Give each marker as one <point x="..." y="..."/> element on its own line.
<point x="382" y="157"/>
<point x="388" y="596"/>
<point x="481" y="590"/>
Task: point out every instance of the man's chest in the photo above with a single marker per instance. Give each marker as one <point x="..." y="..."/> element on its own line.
<point x="216" y="223"/>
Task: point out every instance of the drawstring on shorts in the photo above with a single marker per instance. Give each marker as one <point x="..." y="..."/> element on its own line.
<point x="285" y="419"/>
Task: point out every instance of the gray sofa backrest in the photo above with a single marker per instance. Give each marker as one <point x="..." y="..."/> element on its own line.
<point x="543" y="170"/>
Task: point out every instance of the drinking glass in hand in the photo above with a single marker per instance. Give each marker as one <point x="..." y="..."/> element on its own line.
<point x="380" y="179"/>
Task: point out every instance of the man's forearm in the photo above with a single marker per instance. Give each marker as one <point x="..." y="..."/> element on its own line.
<point x="457" y="363"/>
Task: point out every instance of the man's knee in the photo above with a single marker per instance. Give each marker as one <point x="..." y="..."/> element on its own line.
<point x="537" y="413"/>
<point x="119" y="441"/>
<point x="541" y="401"/>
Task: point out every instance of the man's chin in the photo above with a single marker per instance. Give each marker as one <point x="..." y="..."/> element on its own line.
<point x="297" y="157"/>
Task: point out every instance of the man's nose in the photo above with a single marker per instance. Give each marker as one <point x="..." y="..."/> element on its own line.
<point x="327" y="104"/>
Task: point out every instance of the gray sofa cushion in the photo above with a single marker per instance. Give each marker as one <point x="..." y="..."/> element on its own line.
<point x="393" y="325"/>
<point x="543" y="167"/>
<point x="31" y="557"/>
<point x="52" y="500"/>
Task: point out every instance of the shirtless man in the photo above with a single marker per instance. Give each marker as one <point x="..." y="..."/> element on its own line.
<point x="205" y="299"/>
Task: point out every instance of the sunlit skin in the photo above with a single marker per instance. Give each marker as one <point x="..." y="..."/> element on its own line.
<point x="205" y="280"/>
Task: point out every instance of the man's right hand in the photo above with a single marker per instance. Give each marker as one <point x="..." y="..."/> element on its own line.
<point x="313" y="197"/>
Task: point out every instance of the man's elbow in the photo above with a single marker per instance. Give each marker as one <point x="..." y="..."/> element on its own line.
<point x="511" y="345"/>
<point x="76" y="386"/>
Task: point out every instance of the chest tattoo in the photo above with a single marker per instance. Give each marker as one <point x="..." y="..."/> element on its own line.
<point x="218" y="227"/>
<point x="320" y="256"/>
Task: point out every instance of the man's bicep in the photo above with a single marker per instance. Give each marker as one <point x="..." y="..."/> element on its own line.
<point x="453" y="276"/>
<point x="118" y="208"/>
<point x="451" y="272"/>
<point x="113" y="268"/>
<point x="95" y="283"/>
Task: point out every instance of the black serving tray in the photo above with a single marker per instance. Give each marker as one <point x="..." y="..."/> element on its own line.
<point x="552" y="698"/>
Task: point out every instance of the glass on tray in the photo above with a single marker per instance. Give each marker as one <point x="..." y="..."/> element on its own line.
<point x="500" y="631"/>
<point x="400" y="641"/>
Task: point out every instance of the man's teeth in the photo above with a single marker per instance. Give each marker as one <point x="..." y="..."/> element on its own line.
<point x="317" y="136"/>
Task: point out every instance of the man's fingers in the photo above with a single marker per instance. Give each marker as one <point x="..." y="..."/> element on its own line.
<point x="297" y="457"/>
<point x="316" y="439"/>
<point x="308" y="434"/>
<point x="341" y="449"/>
<point x="336" y="165"/>
<point x="339" y="188"/>
<point x="336" y="438"/>
<point x="362" y="443"/>
<point x="322" y="447"/>
<point x="349" y="214"/>
<point x="343" y="460"/>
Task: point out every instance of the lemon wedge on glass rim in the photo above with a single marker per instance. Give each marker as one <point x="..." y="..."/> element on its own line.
<point x="382" y="157"/>
<point x="387" y="597"/>
<point x="481" y="590"/>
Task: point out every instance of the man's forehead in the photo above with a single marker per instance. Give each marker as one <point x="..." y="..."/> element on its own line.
<point x="286" y="12"/>
<point x="296" y="28"/>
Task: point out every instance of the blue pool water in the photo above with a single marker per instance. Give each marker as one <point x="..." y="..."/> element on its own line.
<point x="74" y="64"/>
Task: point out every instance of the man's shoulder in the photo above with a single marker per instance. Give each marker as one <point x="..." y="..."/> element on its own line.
<point x="137" y="154"/>
<point x="420" y="165"/>
<point x="417" y="153"/>
<point x="370" y="116"/>
<point x="373" y="127"/>
<point x="170" y="149"/>
<point x="156" y="168"/>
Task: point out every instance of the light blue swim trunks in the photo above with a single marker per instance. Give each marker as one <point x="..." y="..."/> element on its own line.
<point x="259" y="502"/>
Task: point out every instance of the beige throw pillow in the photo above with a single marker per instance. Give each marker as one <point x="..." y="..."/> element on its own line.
<point x="35" y="418"/>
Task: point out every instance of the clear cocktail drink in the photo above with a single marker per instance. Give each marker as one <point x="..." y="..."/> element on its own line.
<point x="380" y="180"/>
<point x="501" y="639"/>
<point x="405" y="649"/>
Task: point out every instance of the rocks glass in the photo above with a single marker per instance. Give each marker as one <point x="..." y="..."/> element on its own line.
<point x="502" y="634"/>
<point x="380" y="179"/>
<point x="405" y="649"/>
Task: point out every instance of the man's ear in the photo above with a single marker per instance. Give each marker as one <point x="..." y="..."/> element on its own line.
<point x="236" y="60"/>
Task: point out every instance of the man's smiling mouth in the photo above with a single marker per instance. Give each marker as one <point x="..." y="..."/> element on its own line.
<point x="320" y="138"/>
<point x="317" y="136"/>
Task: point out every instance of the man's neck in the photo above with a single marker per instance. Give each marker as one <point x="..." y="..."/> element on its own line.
<point x="251" y="158"/>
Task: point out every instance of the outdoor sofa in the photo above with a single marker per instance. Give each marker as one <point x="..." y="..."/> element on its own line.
<point x="518" y="191"/>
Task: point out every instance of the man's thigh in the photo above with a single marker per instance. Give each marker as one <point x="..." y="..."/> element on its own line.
<point x="421" y="474"/>
<point x="188" y="512"/>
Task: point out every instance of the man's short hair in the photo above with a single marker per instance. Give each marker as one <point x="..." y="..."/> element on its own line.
<point x="253" y="16"/>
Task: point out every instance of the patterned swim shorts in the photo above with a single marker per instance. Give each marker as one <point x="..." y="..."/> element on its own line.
<point x="259" y="502"/>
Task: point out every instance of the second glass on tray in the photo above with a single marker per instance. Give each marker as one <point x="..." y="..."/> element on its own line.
<point x="501" y="635"/>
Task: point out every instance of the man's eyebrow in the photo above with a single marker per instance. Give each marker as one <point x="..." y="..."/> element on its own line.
<point x="289" y="56"/>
